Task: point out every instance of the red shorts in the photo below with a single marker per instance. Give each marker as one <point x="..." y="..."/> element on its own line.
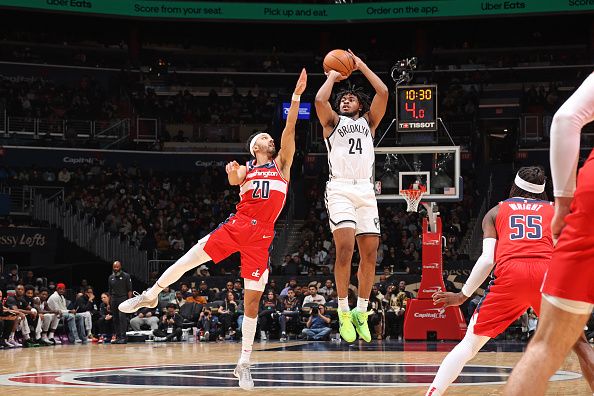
<point x="516" y="288"/>
<point x="250" y="237"/>
<point x="571" y="274"/>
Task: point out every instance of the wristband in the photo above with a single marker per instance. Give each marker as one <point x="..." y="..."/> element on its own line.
<point x="296" y="98"/>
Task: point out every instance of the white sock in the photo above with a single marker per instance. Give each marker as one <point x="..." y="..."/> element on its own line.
<point x="362" y="304"/>
<point x="11" y="337"/>
<point x="248" y="331"/>
<point x="343" y="304"/>
<point x="50" y="335"/>
<point x="193" y="258"/>
<point x="455" y="361"/>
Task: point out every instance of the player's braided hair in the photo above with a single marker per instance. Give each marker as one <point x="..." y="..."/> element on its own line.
<point x="532" y="174"/>
<point x="362" y="97"/>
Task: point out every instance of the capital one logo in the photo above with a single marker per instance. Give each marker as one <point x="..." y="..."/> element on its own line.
<point x="436" y="289"/>
<point x="431" y="313"/>
<point x="431" y="266"/>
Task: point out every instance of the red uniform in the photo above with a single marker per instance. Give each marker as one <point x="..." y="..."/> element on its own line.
<point x="250" y="231"/>
<point x="571" y="273"/>
<point x="522" y="257"/>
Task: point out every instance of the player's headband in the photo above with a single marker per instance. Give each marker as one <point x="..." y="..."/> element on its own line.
<point x="530" y="187"/>
<point x="253" y="142"/>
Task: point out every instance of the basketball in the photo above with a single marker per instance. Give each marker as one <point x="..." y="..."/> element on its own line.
<point x="340" y="60"/>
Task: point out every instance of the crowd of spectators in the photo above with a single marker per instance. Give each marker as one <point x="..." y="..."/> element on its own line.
<point x="37" y="312"/>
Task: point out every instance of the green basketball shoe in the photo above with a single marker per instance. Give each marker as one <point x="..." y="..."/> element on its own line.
<point x="360" y="322"/>
<point x="346" y="329"/>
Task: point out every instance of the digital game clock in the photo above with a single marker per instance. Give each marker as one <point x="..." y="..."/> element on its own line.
<point x="416" y="108"/>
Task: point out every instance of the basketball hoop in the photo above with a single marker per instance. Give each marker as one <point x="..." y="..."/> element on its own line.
<point x="413" y="197"/>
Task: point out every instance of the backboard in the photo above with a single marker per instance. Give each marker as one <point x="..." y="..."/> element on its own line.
<point x="436" y="167"/>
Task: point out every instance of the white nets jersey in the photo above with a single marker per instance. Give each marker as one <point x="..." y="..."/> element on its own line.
<point x="350" y="149"/>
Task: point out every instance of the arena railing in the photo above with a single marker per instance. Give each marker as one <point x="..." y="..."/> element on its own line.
<point x="82" y="230"/>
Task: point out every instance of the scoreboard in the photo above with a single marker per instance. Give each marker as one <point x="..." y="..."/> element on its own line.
<point x="416" y="108"/>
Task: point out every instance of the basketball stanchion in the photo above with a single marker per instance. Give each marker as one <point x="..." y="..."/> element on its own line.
<point x="423" y="320"/>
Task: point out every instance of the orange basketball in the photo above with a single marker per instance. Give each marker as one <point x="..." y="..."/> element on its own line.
<point x="340" y="60"/>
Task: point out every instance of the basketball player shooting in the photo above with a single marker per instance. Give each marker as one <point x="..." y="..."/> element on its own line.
<point x="263" y="185"/>
<point x="568" y="290"/>
<point x="517" y="240"/>
<point x="350" y="198"/>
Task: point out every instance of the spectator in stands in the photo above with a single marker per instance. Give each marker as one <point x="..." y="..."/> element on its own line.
<point x="289" y="314"/>
<point x="228" y="313"/>
<point x="185" y="290"/>
<point x="313" y="296"/>
<point x="29" y="317"/>
<point x="8" y="325"/>
<point x="64" y="176"/>
<point x="376" y="313"/>
<point x="86" y="306"/>
<point x="205" y="292"/>
<point x="167" y="296"/>
<point x="145" y="316"/>
<point x="203" y="271"/>
<point x="382" y="285"/>
<point x="318" y="325"/>
<point x="396" y="306"/>
<point x="327" y="289"/>
<point x="238" y="287"/>
<point x="272" y="286"/>
<point x="269" y="312"/>
<point x="179" y="299"/>
<point x="75" y="323"/>
<point x="209" y="324"/>
<point x="50" y="319"/>
<point x="402" y="288"/>
<point x="105" y="321"/>
<point x="290" y="285"/>
<point x="170" y="327"/>
<point x="196" y="297"/>
<point x="222" y="295"/>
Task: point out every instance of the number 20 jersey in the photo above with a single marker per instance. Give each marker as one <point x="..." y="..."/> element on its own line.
<point x="524" y="230"/>
<point x="350" y="149"/>
<point x="263" y="192"/>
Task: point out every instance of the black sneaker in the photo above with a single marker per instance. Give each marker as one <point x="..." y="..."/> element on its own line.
<point x="120" y="341"/>
<point x="4" y="345"/>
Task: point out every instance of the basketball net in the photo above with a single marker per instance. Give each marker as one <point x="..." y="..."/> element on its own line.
<point x="413" y="196"/>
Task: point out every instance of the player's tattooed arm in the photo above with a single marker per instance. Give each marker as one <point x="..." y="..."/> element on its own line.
<point x="235" y="173"/>
<point x="287" y="150"/>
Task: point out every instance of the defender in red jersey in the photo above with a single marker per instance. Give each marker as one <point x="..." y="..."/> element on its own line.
<point x="263" y="185"/>
<point x="518" y="242"/>
<point x="568" y="289"/>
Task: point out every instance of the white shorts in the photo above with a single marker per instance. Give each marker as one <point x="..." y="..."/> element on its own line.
<point x="258" y="285"/>
<point x="352" y="204"/>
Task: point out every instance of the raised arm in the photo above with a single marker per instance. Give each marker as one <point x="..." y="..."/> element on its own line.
<point x="566" y="130"/>
<point x="285" y="155"/>
<point x="328" y="117"/>
<point x="380" y="99"/>
<point x="235" y="173"/>
<point x="482" y="268"/>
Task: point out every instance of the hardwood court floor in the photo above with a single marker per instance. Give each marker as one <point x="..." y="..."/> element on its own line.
<point x="198" y="366"/>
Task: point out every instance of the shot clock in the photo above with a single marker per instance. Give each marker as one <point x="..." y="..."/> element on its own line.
<point x="416" y="108"/>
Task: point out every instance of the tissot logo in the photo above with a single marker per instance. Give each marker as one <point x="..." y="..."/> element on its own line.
<point x="266" y="375"/>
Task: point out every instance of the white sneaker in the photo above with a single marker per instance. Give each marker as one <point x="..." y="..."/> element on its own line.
<point x="78" y="341"/>
<point x="14" y="344"/>
<point x="242" y="371"/>
<point x="133" y="304"/>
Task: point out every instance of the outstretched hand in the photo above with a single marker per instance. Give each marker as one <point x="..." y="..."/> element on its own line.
<point x="232" y="166"/>
<point x="358" y="62"/>
<point x="448" y="299"/>
<point x="336" y="76"/>
<point x="301" y="82"/>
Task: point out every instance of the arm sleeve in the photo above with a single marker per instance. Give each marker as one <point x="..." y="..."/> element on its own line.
<point x="566" y="129"/>
<point x="482" y="268"/>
